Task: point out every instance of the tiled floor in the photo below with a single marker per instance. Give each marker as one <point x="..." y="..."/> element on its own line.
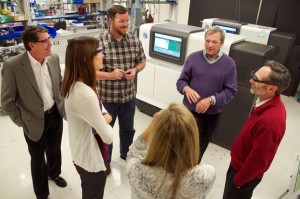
<point x="15" y="176"/>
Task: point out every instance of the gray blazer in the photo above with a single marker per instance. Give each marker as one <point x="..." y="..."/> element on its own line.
<point x="20" y="95"/>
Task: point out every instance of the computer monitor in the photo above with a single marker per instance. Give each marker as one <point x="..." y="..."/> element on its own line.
<point x="227" y="29"/>
<point x="168" y="41"/>
<point x="167" y="45"/>
<point x="229" y="26"/>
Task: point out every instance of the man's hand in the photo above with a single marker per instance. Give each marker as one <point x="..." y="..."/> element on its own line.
<point x="130" y="74"/>
<point x="203" y="105"/>
<point x="117" y="74"/>
<point x="192" y="96"/>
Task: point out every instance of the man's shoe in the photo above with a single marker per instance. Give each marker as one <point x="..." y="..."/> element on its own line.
<point x="59" y="181"/>
<point x="123" y="157"/>
<point x="107" y="165"/>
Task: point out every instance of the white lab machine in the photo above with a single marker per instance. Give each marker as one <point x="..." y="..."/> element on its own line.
<point x="254" y="33"/>
<point x="263" y="35"/>
<point x="166" y="47"/>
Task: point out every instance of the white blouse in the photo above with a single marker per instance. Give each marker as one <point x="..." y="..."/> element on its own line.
<point x="154" y="182"/>
<point x="83" y="113"/>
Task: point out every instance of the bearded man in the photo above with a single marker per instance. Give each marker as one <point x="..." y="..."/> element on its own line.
<point x="124" y="58"/>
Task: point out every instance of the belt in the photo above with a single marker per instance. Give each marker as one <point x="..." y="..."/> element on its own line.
<point x="50" y="110"/>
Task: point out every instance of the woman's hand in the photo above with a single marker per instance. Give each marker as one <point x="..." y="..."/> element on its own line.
<point x="146" y="133"/>
<point x="107" y="117"/>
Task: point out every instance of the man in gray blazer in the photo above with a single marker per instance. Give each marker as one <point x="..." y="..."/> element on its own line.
<point x="31" y="95"/>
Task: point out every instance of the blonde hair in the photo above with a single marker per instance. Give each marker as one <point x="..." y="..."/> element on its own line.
<point x="173" y="142"/>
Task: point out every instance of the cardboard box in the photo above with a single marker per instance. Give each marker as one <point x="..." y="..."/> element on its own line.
<point x="17" y="17"/>
<point x="91" y="1"/>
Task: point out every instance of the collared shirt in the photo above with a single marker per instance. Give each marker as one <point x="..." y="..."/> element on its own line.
<point x="259" y="103"/>
<point x="43" y="81"/>
<point x="123" y="54"/>
<point x="215" y="59"/>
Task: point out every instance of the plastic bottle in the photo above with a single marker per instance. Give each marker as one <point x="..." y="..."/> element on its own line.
<point x="32" y="13"/>
<point x="98" y="19"/>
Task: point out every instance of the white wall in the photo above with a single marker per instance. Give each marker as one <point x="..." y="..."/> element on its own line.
<point x="178" y="13"/>
<point x="183" y="11"/>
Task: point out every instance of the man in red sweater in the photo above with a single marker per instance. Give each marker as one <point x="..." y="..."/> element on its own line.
<point x="255" y="147"/>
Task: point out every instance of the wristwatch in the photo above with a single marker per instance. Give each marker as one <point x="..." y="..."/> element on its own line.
<point x="211" y="100"/>
<point x="137" y="70"/>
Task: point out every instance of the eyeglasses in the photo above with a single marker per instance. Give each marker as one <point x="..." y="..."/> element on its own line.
<point x="45" y="40"/>
<point x="213" y="42"/>
<point x="122" y="21"/>
<point x="99" y="50"/>
<point x="257" y="80"/>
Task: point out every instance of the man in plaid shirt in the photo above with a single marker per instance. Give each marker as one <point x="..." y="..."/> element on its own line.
<point x="124" y="58"/>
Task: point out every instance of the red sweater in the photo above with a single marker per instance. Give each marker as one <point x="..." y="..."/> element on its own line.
<point x="255" y="147"/>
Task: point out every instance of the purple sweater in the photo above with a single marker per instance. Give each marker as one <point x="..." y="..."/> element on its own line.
<point x="218" y="79"/>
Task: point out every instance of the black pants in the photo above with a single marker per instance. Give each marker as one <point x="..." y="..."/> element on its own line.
<point x="207" y="124"/>
<point x="232" y="192"/>
<point x="92" y="184"/>
<point x="49" y="146"/>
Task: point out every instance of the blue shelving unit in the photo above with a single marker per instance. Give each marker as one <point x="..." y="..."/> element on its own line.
<point x="67" y="17"/>
<point x="158" y="2"/>
<point x="14" y="37"/>
<point x="15" y="32"/>
<point x="78" y="1"/>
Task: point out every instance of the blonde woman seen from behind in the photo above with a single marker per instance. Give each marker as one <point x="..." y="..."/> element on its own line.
<point x="163" y="161"/>
<point x="88" y="121"/>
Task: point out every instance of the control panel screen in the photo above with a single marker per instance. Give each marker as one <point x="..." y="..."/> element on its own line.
<point x="168" y="45"/>
<point x="228" y="29"/>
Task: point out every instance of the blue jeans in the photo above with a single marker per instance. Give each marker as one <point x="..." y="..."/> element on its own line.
<point x="125" y="113"/>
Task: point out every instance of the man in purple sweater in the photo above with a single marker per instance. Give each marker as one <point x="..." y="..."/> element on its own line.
<point x="208" y="81"/>
<point x="255" y="147"/>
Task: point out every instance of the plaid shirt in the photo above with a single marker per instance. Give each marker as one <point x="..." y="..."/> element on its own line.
<point x="123" y="54"/>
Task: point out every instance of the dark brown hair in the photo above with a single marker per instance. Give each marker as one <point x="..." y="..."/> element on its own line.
<point x="116" y="9"/>
<point x="79" y="63"/>
<point x="279" y="76"/>
<point x="30" y="34"/>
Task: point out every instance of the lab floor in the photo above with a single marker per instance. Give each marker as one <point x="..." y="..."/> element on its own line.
<point x="15" y="175"/>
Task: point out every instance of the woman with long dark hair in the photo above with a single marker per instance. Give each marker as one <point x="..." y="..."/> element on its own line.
<point x="88" y="122"/>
